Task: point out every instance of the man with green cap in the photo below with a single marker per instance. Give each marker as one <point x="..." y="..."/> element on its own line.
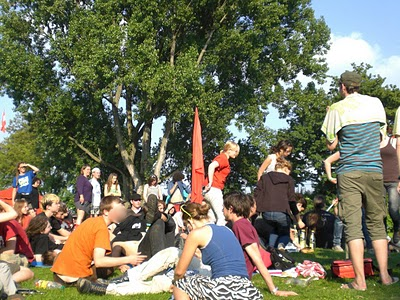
<point x="355" y="124"/>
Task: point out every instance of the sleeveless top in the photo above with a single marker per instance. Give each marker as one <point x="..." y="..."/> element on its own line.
<point x="224" y="254"/>
<point x="272" y="165"/>
<point x="390" y="163"/>
<point x="152" y="190"/>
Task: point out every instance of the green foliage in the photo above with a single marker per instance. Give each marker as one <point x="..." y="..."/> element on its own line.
<point x="93" y="76"/>
<point x="20" y="146"/>
<point x="305" y="109"/>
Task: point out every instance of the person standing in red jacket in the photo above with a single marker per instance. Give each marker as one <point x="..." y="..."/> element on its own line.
<point x="218" y="171"/>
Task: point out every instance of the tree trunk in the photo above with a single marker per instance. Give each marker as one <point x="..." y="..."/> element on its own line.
<point x="163" y="148"/>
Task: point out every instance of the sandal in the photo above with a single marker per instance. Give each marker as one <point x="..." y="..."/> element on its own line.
<point x="350" y="286"/>
<point x="394" y="280"/>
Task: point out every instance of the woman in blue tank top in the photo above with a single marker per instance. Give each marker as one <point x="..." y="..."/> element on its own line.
<point x="221" y="251"/>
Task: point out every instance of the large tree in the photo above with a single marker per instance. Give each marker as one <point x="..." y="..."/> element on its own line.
<point x="305" y="109"/>
<point x="95" y="75"/>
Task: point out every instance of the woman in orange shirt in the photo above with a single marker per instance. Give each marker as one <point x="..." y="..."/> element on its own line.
<point x="218" y="171"/>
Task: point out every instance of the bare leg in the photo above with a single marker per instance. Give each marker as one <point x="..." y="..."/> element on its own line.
<point x="80" y="215"/>
<point x="381" y="253"/>
<point x="23" y="274"/>
<point x="179" y="294"/>
<point x="356" y="248"/>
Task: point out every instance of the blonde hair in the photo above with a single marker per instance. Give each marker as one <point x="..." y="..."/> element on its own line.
<point x="230" y="145"/>
<point x="195" y="211"/>
<point x="282" y="163"/>
<point x="49" y="199"/>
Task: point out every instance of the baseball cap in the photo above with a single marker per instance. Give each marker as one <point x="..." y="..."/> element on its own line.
<point x="350" y="79"/>
<point x="136" y="196"/>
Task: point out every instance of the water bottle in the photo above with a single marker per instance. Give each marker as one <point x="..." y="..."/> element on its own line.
<point x="49" y="285"/>
<point x="302" y="239"/>
<point x="298" y="281"/>
<point x="296" y="236"/>
<point x="312" y="239"/>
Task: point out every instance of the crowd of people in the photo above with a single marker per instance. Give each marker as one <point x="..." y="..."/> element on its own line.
<point x="209" y="250"/>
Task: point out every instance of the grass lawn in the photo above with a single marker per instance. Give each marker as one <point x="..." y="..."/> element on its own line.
<point x="328" y="288"/>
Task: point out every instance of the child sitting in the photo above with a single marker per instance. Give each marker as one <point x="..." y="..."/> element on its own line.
<point x="38" y="233"/>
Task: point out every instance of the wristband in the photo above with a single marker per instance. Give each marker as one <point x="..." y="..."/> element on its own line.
<point x="274" y="291"/>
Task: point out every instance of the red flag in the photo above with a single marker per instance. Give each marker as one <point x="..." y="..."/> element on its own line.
<point x="197" y="161"/>
<point x="3" y="122"/>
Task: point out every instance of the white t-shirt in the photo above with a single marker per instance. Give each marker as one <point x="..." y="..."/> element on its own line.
<point x="96" y="192"/>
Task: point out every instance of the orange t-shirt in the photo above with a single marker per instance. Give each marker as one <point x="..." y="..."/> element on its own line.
<point x="221" y="172"/>
<point x="76" y="257"/>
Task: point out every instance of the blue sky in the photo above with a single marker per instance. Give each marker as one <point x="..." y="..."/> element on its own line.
<point x="361" y="31"/>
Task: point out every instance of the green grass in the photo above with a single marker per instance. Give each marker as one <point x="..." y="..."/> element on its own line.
<point x="328" y="288"/>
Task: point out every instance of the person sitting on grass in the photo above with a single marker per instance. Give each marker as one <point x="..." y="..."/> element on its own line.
<point x="18" y="273"/>
<point x="221" y="250"/>
<point x="14" y="244"/>
<point x="237" y="207"/>
<point x="85" y="254"/>
<point x="38" y="233"/>
<point x="10" y="276"/>
<point x="322" y="222"/>
<point x="22" y="209"/>
<point x="63" y="218"/>
<point x="51" y="205"/>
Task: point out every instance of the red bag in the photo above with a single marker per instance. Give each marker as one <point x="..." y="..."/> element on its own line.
<point x="266" y="257"/>
<point x="344" y="268"/>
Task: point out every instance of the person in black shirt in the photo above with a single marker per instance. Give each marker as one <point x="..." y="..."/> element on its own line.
<point x="38" y="233"/>
<point x="34" y="196"/>
<point x="51" y="205"/>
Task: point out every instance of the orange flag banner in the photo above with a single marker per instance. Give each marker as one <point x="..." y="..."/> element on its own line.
<point x="197" y="161"/>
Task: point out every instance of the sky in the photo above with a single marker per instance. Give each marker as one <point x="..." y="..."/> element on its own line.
<point x="361" y="31"/>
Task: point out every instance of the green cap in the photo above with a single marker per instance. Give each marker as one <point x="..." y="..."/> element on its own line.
<point x="350" y="79"/>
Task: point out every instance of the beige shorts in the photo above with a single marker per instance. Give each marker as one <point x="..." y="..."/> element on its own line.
<point x="359" y="190"/>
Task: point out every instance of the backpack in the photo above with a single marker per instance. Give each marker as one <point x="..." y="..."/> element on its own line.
<point x="280" y="260"/>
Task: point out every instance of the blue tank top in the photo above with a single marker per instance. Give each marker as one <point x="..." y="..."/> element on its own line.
<point x="224" y="254"/>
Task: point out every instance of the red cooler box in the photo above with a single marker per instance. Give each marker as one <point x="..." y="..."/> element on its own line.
<point x="344" y="268"/>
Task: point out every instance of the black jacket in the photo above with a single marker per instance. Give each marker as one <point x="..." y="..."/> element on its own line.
<point x="275" y="192"/>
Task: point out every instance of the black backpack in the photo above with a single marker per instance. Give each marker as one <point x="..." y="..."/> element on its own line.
<point x="280" y="260"/>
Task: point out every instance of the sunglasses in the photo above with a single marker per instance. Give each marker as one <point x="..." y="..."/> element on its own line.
<point x="136" y="200"/>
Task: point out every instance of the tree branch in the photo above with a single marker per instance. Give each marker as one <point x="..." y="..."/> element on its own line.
<point x="203" y="51"/>
<point x="128" y="162"/>
<point x="163" y="148"/>
<point x="97" y="159"/>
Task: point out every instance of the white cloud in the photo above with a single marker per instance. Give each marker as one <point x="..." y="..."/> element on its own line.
<point x="346" y="50"/>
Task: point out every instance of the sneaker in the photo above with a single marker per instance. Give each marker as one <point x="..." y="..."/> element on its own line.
<point x="337" y="248"/>
<point x="120" y="279"/>
<point x="281" y="246"/>
<point x="84" y="286"/>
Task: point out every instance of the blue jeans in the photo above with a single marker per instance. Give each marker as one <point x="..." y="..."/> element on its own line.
<point x="337" y="232"/>
<point x="394" y="203"/>
<point x="280" y="223"/>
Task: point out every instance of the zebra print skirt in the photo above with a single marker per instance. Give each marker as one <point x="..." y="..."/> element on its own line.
<point x="200" y="287"/>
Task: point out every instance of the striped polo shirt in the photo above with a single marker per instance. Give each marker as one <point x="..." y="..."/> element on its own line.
<point x="359" y="148"/>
